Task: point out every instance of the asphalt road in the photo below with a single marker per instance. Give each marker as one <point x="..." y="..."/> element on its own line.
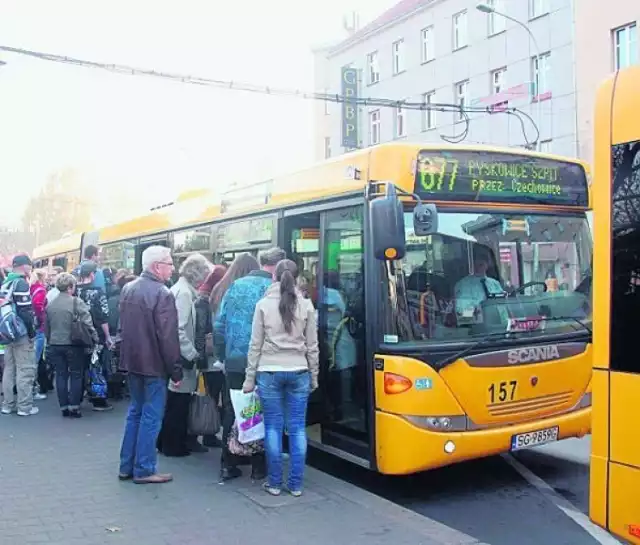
<point x="490" y="499"/>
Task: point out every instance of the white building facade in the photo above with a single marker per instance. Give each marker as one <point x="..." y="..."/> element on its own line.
<point x="446" y="51"/>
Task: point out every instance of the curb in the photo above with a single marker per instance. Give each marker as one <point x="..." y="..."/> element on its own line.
<point x="432" y="529"/>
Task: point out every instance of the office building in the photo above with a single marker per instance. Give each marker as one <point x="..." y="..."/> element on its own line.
<point x="448" y="51"/>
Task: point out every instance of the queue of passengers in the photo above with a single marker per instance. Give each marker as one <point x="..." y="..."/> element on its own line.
<point x="241" y="327"/>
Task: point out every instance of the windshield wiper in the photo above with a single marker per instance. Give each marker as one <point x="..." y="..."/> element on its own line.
<point x="447" y="360"/>
<point x="559" y="318"/>
<point x="462" y="353"/>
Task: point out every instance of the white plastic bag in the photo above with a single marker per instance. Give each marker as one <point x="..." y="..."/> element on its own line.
<point x="249" y="417"/>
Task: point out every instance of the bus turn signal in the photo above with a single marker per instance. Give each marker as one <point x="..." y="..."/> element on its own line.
<point x="396" y="384"/>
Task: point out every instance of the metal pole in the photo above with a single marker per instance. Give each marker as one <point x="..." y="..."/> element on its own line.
<point x="489" y="9"/>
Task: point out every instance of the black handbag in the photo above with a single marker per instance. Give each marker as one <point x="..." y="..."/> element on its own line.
<point x="80" y="332"/>
<point x="204" y="418"/>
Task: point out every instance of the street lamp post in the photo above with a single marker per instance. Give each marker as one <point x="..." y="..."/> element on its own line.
<point x="489" y="9"/>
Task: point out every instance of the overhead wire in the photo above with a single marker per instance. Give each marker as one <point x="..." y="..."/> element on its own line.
<point x="231" y="85"/>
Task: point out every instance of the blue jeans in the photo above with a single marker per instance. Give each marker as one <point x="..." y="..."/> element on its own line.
<point x="68" y="362"/>
<point x="138" y="455"/>
<point x="284" y="397"/>
<point x="39" y="345"/>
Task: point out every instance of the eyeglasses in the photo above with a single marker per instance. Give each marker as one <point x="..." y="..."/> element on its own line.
<point x="169" y="263"/>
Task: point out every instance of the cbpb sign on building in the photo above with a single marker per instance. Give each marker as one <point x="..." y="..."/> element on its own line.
<point x="349" y="108"/>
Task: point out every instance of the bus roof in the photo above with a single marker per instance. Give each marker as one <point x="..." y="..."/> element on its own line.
<point x="334" y="177"/>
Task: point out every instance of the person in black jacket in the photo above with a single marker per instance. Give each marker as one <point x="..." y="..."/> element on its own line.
<point x="20" y="359"/>
<point x="116" y="383"/>
<point x="210" y="365"/>
<point x="96" y="299"/>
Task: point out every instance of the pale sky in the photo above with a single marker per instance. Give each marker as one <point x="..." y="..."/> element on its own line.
<point x="156" y="138"/>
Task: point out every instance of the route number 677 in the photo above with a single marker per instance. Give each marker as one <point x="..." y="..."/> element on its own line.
<point x="500" y="392"/>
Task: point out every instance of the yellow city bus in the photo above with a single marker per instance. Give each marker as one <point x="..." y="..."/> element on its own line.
<point x="452" y="285"/>
<point x="615" y="457"/>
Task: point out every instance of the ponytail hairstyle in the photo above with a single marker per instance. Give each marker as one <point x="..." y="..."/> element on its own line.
<point x="286" y="274"/>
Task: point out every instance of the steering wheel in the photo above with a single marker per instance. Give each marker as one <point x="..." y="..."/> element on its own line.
<point x="515" y="291"/>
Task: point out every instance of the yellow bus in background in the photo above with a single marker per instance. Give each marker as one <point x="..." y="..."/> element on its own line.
<point x="452" y="285"/>
<point x="615" y="460"/>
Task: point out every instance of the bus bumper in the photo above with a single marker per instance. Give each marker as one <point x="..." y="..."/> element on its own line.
<point x="403" y="448"/>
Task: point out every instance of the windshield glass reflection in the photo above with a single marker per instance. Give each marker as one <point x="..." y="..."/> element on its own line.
<point x="487" y="273"/>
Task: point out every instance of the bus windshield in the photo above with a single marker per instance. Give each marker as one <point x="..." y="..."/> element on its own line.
<point x="482" y="274"/>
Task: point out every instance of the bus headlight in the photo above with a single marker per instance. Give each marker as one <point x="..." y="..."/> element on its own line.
<point x="439" y="423"/>
<point x="585" y="401"/>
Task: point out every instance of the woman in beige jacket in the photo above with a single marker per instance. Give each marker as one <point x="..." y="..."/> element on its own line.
<point x="284" y="357"/>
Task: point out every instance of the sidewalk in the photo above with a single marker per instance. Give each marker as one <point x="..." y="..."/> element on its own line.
<point x="58" y="481"/>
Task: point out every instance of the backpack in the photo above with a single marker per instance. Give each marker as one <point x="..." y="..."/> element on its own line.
<point x="12" y="327"/>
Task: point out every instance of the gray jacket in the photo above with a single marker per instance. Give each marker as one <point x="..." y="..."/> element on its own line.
<point x="60" y="316"/>
<point x="185" y="296"/>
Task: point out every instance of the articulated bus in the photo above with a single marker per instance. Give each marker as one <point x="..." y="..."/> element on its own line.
<point x="452" y="285"/>
<point x="615" y="457"/>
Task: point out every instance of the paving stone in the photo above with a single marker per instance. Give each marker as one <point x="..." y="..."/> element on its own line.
<point x="58" y="479"/>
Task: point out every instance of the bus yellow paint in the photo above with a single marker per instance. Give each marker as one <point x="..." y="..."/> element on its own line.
<point x="615" y="458"/>
<point x="421" y="412"/>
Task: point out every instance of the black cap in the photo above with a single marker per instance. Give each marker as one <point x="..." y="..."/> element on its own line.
<point x="21" y="260"/>
<point x="87" y="267"/>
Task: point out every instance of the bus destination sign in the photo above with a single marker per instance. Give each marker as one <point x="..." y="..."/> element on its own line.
<point x="485" y="176"/>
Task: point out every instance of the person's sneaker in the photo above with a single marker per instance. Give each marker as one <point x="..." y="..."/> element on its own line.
<point x="295" y="493"/>
<point x="158" y="478"/>
<point x="75" y="414"/>
<point x="103" y="408"/>
<point x="7" y="411"/>
<point x="273" y="490"/>
<point x="39" y="396"/>
<point x="32" y="412"/>
<point x="65" y="413"/>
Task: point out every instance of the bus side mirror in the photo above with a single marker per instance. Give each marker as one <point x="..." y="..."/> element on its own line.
<point x="425" y="219"/>
<point x="387" y="226"/>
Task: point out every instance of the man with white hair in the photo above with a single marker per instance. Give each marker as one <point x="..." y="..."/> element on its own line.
<point x="150" y="352"/>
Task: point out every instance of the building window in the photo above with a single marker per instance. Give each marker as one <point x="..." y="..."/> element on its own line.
<point x="545" y="146"/>
<point x="327" y="147"/>
<point x="498" y="81"/>
<point x="400" y="122"/>
<point x="625" y="44"/>
<point x="461" y="90"/>
<point x="497" y="23"/>
<point x="428" y="43"/>
<point x="538" y="8"/>
<point x="540" y="75"/>
<point x="373" y="68"/>
<point x="398" y="57"/>
<point x="460" y="30"/>
<point x="429" y="120"/>
<point x="374" y="127"/>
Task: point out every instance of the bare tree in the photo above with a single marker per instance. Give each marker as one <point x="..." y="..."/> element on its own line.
<point x="64" y="204"/>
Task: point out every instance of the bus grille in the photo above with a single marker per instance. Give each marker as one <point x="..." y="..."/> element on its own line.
<point x="547" y="403"/>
